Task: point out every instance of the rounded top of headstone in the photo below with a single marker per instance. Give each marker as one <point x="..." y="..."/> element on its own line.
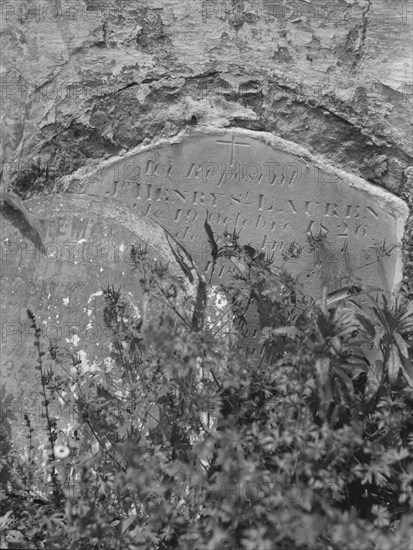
<point x="327" y="227"/>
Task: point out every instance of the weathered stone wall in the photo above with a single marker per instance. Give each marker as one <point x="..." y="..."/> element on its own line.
<point x="86" y="80"/>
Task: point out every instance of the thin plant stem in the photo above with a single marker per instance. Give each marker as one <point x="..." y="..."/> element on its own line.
<point x="51" y="428"/>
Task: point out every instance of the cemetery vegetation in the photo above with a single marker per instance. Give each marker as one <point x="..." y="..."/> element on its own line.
<point x="185" y="440"/>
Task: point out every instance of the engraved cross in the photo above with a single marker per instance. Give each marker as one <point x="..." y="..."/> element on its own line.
<point x="233" y="143"/>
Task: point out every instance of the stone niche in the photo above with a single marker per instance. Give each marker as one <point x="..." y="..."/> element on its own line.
<point x="88" y="242"/>
<point x="329" y="228"/>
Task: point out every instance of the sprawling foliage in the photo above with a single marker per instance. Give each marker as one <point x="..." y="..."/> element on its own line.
<point x="188" y="440"/>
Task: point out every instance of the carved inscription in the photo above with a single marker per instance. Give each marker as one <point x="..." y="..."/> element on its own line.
<point x="267" y="195"/>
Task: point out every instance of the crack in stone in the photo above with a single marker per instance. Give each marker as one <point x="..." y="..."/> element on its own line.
<point x="130" y="85"/>
<point x="114" y="92"/>
<point x="105" y="32"/>
<point x="363" y="27"/>
<point x="208" y="74"/>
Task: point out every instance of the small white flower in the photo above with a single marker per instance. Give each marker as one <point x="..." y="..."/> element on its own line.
<point x="61" y="451"/>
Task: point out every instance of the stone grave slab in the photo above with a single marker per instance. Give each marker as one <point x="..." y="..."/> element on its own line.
<point x="325" y="226"/>
<point x="88" y="243"/>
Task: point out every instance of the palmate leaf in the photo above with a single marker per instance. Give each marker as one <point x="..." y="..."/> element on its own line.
<point x="397" y="317"/>
<point x="348" y="321"/>
<point x="406" y="323"/>
<point x="403" y="312"/>
<point x="397" y="455"/>
<point x="379" y="313"/>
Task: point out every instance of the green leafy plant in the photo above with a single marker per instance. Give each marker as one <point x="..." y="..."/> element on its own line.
<point x="184" y="440"/>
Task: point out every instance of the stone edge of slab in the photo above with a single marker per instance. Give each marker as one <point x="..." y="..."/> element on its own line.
<point x="130" y="219"/>
<point x="395" y="203"/>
